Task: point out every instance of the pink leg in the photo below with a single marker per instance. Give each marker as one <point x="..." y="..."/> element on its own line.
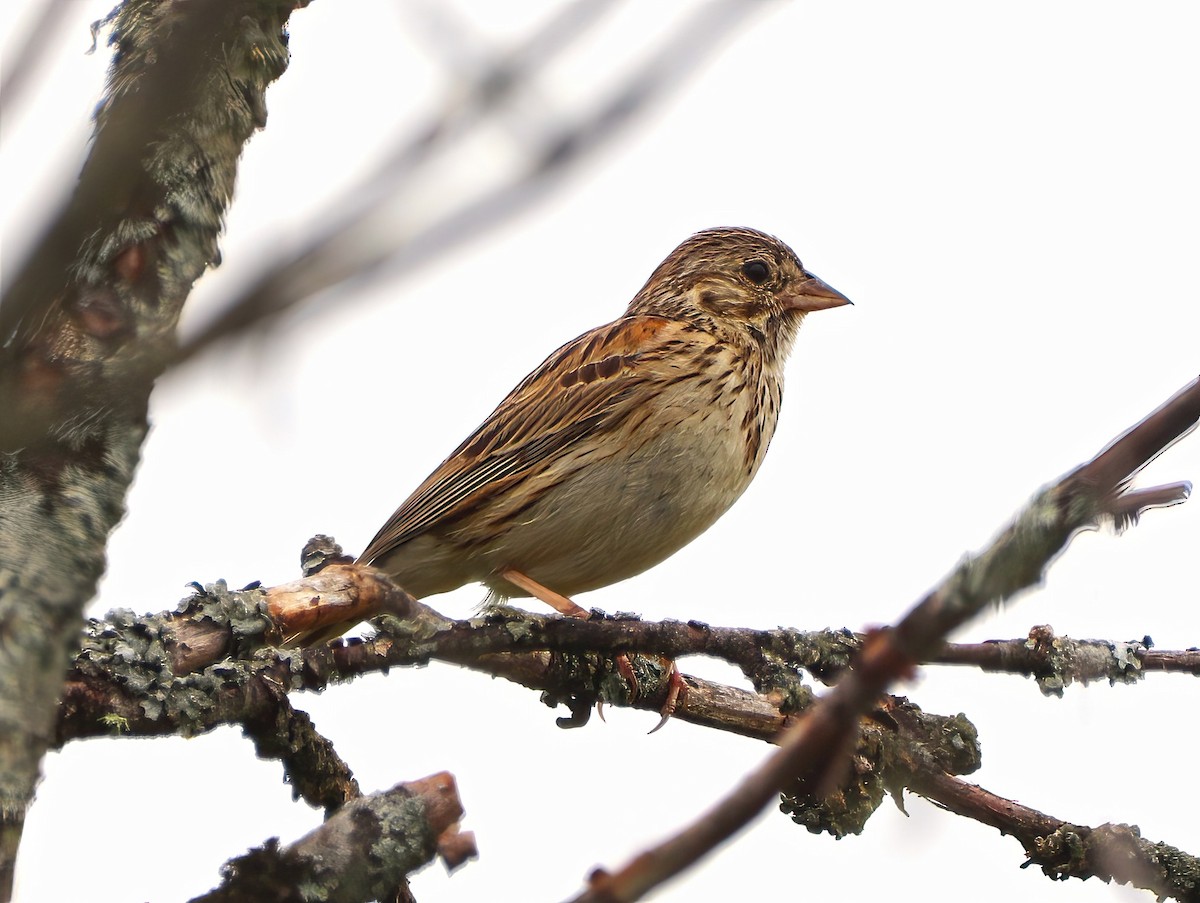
<point x="564" y="606"/>
<point x="557" y="601"/>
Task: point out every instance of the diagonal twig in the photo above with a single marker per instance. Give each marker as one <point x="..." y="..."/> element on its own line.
<point x="1015" y="560"/>
<point x="19" y="65"/>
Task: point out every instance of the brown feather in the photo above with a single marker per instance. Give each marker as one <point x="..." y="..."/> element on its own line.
<point x="585" y="386"/>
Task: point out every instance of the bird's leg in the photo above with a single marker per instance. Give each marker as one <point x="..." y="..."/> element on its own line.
<point x="566" y="607"/>
<point x="557" y="601"/>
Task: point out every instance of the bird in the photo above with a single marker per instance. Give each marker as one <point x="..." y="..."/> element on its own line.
<point x="623" y="445"/>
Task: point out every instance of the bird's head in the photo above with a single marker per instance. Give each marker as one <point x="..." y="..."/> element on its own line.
<point x="739" y="279"/>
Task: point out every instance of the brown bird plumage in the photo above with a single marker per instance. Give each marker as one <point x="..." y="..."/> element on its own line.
<point x="624" y="444"/>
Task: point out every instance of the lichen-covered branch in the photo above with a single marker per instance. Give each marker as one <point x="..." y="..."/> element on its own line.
<point x="897" y="747"/>
<point x="315" y="771"/>
<point x="1064" y="850"/>
<point x="158" y="674"/>
<point x="219" y="626"/>
<point x="123" y="684"/>
<point x="88" y="320"/>
<point x="1056" y="662"/>
<point x="361" y="853"/>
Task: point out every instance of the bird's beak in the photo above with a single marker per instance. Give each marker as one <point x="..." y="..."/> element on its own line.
<point x="812" y="294"/>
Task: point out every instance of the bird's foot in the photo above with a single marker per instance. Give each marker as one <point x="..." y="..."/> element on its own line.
<point x="676" y="690"/>
<point x="676" y="694"/>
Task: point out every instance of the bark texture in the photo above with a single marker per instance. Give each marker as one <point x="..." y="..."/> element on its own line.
<point x="89" y="322"/>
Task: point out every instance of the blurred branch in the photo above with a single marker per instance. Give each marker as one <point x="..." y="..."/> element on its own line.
<point x="332" y="253"/>
<point x="18" y="65"/>
<point x="351" y="250"/>
<point x="812" y="749"/>
<point x="362" y="853"/>
<point x="146" y="90"/>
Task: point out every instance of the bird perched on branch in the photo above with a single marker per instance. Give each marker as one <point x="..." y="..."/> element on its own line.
<point x="625" y="444"/>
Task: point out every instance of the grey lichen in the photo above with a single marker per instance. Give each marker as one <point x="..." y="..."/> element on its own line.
<point x="133" y="652"/>
<point x="1062" y="853"/>
<point x="823" y="653"/>
<point x="883" y="762"/>
<point x="403" y="835"/>
<point x="244" y="612"/>
<point x="846" y="808"/>
<point x="1066" y="661"/>
<point x="1127" y="662"/>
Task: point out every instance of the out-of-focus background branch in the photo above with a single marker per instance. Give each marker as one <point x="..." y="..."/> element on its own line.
<point x="986" y="218"/>
<point x="353" y="243"/>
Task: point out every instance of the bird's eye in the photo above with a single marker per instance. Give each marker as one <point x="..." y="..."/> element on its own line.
<point x="756" y="271"/>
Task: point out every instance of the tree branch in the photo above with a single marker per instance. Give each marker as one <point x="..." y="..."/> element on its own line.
<point x="1058" y="661"/>
<point x="362" y="853"/>
<point x="1064" y="850"/>
<point x="318" y="775"/>
<point x="898" y="747"/>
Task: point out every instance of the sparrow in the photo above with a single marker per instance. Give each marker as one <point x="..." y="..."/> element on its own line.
<point x="622" y="446"/>
<point x="626" y="443"/>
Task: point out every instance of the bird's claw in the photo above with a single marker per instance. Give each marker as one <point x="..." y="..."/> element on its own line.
<point x="676" y="690"/>
<point x="625" y="669"/>
<point x="676" y="693"/>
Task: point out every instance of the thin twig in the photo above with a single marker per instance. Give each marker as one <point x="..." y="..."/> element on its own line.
<point x="1056" y="662"/>
<point x="24" y="58"/>
<point x="1065" y="850"/>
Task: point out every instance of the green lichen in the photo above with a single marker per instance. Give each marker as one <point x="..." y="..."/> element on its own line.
<point x="118" y="723"/>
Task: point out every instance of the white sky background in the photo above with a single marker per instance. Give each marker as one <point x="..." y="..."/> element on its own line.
<point x="1009" y="193"/>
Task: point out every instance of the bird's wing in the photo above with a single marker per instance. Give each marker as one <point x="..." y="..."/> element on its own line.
<point x="586" y="386"/>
